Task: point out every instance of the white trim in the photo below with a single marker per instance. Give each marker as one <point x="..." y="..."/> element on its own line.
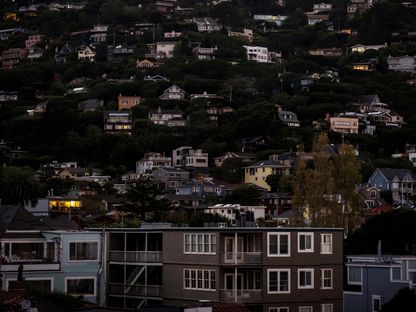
<point x="278" y="234"/>
<point x="81" y="241"/>
<point x="329" y="244"/>
<point x="375" y="297"/>
<point x="81" y="278"/>
<point x="326" y="305"/>
<point x="202" y="280"/>
<point x="209" y="243"/>
<point x="278" y="309"/>
<point x="391" y="274"/>
<point x="322" y="278"/>
<point x="312" y="278"/>
<point x="51" y="279"/>
<point x="311" y="235"/>
<point x="310" y="308"/>
<point x="278" y="281"/>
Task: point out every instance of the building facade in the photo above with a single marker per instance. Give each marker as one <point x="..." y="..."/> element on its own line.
<point x="267" y="269"/>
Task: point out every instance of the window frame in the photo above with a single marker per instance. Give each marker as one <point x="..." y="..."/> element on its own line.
<point x="306" y="270"/>
<point x="212" y="278"/>
<point x="82" y="242"/>
<point x="278" y="234"/>
<point x="278" y="281"/>
<point x="306" y="234"/>
<point x="306" y="307"/>
<point x="278" y="309"/>
<point x="331" y="244"/>
<point x="326" y="305"/>
<point x="211" y="243"/>
<point x="392" y="275"/>
<point x="373" y="298"/>
<point x="94" y="278"/>
<point x="361" y="276"/>
<point x="323" y="278"/>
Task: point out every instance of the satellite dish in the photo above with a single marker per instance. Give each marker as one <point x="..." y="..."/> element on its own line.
<point x="25" y="304"/>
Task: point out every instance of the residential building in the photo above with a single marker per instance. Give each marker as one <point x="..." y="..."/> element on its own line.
<point x="171" y="35"/>
<point x="275" y="203"/>
<point x="6" y="96"/>
<point x="238" y="215"/>
<point x="6" y="33"/>
<point x="361" y="48"/>
<point x="400" y="182"/>
<point x="216" y="110"/>
<point x="322" y="7"/>
<point x="373" y="280"/>
<point x="98" y="34"/>
<point x="261" y="54"/>
<point x="12" y="57"/>
<point x="173" y="93"/>
<point x="128" y="102"/>
<point x="167" y="117"/>
<point x="161" y="49"/>
<point x="165" y="6"/>
<point x="152" y="161"/>
<point x="146" y="64"/>
<point x="35" y="53"/>
<point x="61" y="56"/>
<point x="56" y="204"/>
<point x="185" y="156"/>
<point x="115" y="54"/>
<point x="327" y="52"/>
<point x="206" y="24"/>
<point x="276" y="19"/>
<point x="90" y="105"/>
<point x="118" y="122"/>
<point x="258" y="172"/>
<point x="170" y="178"/>
<point x="347" y="125"/>
<point x="357" y="7"/>
<point x="314" y="18"/>
<point x="245" y="158"/>
<point x="206" y="54"/>
<point x="55" y="254"/>
<point x="366" y="66"/>
<point x="86" y="53"/>
<point x="33" y="40"/>
<point x="155" y="78"/>
<point x="402" y="63"/>
<point x="266" y="269"/>
<point x="247" y="35"/>
<point x="288" y="118"/>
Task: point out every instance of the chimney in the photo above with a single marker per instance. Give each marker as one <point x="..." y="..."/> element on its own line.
<point x="379" y="250"/>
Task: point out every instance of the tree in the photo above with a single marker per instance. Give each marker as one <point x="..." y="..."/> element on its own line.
<point x="19" y="186"/>
<point x="245" y="195"/>
<point x="404" y="301"/>
<point x="273" y="181"/>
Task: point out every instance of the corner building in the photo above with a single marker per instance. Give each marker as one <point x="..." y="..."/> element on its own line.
<point x="267" y="269"/>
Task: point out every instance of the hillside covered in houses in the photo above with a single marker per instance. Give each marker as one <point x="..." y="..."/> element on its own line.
<point x="230" y="113"/>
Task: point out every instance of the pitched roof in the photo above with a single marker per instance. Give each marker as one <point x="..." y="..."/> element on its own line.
<point x="390" y="173"/>
<point x="368" y="99"/>
<point x="268" y="163"/>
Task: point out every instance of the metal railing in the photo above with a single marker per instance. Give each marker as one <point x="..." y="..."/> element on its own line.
<point x="241" y="257"/>
<point x="136" y="256"/>
<point x="134" y="290"/>
<point x="243" y="295"/>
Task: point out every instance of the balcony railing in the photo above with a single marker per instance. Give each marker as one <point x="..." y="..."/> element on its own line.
<point x="134" y="290"/>
<point x="136" y="256"/>
<point x="243" y="295"/>
<point x="30" y="266"/>
<point x="241" y="257"/>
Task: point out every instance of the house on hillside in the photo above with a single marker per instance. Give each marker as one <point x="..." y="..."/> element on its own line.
<point x="258" y="172"/>
<point x="173" y="93"/>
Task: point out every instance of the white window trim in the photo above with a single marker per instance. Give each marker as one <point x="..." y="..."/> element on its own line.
<point x="278" y="309"/>
<point x="278" y="234"/>
<point x="81" y="241"/>
<point x="81" y="278"/>
<point x="322" y="278"/>
<point x="332" y="244"/>
<point x="311" y="235"/>
<point x="268" y="281"/>
<point x="306" y="307"/>
<point x="190" y="252"/>
<point x="324" y="305"/>
<point x="348" y="276"/>
<point x="312" y="278"/>
<point x="377" y="297"/>
<point x="391" y="274"/>
<point x="51" y="279"/>
<point x="196" y="277"/>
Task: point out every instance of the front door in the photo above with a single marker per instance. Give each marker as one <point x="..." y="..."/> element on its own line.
<point x="230" y="254"/>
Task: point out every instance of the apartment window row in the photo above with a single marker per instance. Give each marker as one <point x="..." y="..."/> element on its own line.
<point x="325" y="307"/>
<point x="199" y="243"/>
<point x="196" y="279"/>
<point x="278" y="280"/>
<point x="279" y="244"/>
<point x="82" y="251"/>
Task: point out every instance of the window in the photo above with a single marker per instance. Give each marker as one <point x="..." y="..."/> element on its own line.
<point x="376" y="303"/>
<point x="326" y="243"/>
<point x="327" y="307"/>
<point x="199" y="279"/>
<point x="326" y="278"/>
<point x="305" y="242"/>
<point x="278" y="245"/>
<point x="354" y="275"/>
<point x="306" y="309"/>
<point x="305" y="278"/>
<point x="396" y="274"/>
<point x="80" y="286"/>
<point x="253" y="280"/>
<point x="278" y="281"/>
<point x="199" y="243"/>
<point x="279" y="309"/>
<point x="81" y="251"/>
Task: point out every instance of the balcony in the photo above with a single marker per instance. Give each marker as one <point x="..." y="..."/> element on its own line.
<point x="134" y="290"/>
<point x="243" y="295"/>
<point x="241" y="258"/>
<point x="30" y="266"/>
<point x="136" y="256"/>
